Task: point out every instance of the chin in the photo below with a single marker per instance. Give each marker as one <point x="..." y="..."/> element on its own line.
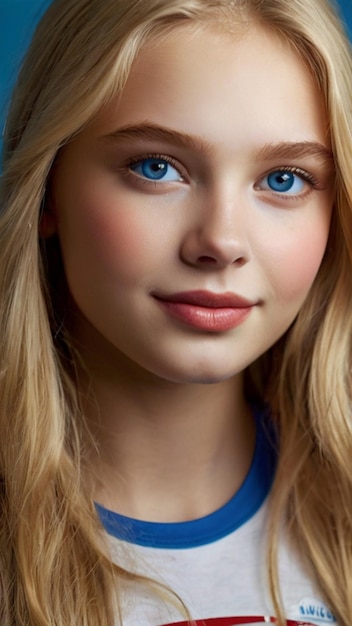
<point x="210" y="378"/>
<point x="198" y="376"/>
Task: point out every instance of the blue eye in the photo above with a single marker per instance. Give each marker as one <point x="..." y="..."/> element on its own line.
<point x="283" y="181"/>
<point x="155" y="169"/>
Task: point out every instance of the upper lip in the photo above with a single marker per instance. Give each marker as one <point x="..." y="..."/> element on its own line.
<point x="208" y="299"/>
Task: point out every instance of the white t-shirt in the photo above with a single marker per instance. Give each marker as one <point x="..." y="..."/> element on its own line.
<point x="216" y="564"/>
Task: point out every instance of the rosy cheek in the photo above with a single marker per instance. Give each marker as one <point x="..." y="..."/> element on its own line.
<point x="298" y="262"/>
<point x="115" y="239"/>
<point x="105" y="239"/>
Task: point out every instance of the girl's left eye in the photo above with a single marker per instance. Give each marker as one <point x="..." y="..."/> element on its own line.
<point x="284" y="181"/>
<point x="156" y="169"/>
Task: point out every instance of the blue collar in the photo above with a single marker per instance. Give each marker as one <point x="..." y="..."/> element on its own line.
<point x="190" y="534"/>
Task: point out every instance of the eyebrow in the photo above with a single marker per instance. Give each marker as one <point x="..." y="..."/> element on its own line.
<point x="294" y="150"/>
<point x="271" y="151"/>
<point x="153" y="132"/>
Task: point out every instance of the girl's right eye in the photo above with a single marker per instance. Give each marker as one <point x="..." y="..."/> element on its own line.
<point x="156" y="169"/>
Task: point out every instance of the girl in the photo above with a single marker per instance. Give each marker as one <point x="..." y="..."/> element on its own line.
<point x="176" y="307"/>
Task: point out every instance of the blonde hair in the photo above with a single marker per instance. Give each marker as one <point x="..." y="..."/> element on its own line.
<point x="54" y="565"/>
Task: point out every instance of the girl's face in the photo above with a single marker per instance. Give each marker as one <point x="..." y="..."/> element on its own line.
<point x="193" y="214"/>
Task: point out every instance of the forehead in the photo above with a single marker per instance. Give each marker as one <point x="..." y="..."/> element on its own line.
<point x="200" y="75"/>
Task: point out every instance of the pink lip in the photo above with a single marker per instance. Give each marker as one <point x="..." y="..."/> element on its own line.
<point x="206" y="310"/>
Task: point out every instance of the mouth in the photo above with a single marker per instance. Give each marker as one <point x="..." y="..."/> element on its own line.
<point x="205" y="310"/>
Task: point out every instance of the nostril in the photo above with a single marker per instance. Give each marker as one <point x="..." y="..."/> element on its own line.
<point x="206" y="259"/>
<point x="210" y="260"/>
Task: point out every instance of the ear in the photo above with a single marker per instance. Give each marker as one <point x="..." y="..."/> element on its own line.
<point x="47" y="224"/>
<point x="48" y="216"/>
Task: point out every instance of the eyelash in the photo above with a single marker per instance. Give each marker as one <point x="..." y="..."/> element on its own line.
<point x="163" y="157"/>
<point x="306" y="176"/>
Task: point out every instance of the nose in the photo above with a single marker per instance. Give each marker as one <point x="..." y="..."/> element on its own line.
<point x="218" y="235"/>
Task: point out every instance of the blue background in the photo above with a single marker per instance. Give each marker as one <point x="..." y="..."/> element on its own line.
<point x="17" y="21"/>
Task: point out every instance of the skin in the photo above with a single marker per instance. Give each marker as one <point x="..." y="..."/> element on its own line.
<point x="172" y="425"/>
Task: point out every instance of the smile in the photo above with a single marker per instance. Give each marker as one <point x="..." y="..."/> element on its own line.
<point x="205" y="310"/>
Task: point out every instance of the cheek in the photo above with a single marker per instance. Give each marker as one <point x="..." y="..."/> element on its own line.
<point x="101" y="241"/>
<point x="116" y="240"/>
<point x="295" y="258"/>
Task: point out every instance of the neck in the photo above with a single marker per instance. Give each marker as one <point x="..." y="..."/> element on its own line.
<point x="164" y="451"/>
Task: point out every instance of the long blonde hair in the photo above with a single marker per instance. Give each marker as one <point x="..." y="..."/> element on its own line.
<point x="54" y="565"/>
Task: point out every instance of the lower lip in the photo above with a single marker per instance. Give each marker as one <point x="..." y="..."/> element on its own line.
<point x="206" y="318"/>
